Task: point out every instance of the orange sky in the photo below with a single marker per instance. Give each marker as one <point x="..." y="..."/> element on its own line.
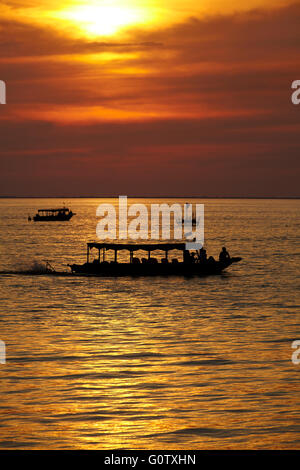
<point x="149" y="98"/>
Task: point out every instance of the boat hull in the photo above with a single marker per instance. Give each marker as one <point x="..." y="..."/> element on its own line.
<point x="61" y="218"/>
<point x="148" y="269"/>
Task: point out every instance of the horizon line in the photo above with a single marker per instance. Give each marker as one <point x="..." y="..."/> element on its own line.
<point x="150" y="197"/>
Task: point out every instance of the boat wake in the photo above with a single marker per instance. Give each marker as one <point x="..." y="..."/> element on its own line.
<point x="36" y="268"/>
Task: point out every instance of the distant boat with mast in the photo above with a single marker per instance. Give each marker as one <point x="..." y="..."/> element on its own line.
<point x="191" y="219"/>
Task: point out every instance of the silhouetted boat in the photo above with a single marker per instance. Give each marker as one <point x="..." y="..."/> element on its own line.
<point x="49" y="215"/>
<point x="190" y="220"/>
<point x="193" y="221"/>
<point x="189" y="266"/>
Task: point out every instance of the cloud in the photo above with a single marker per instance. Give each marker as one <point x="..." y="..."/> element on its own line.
<point x="19" y="39"/>
<point x="200" y="108"/>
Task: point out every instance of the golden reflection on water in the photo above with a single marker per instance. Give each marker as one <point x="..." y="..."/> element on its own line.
<point x="151" y="363"/>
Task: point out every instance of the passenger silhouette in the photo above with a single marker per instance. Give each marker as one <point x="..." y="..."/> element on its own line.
<point x="202" y="255"/>
<point x="224" y="255"/>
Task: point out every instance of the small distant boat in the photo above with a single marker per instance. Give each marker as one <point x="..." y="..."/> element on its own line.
<point x="188" y="266"/>
<point x="50" y="215"/>
<point x="192" y="221"/>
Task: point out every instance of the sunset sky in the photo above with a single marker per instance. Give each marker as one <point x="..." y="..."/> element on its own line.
<point x="149" y="98"/>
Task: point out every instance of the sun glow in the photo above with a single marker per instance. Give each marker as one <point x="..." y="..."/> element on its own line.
<point x="104" y="20"/>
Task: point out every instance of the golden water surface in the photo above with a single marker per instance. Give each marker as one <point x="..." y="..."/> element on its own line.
<point x="150" y="363"/>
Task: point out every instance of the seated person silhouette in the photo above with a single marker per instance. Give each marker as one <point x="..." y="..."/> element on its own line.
<point x="224" y="255"/>
<point x="193" y="257"/>
<point x="202" y="255"/>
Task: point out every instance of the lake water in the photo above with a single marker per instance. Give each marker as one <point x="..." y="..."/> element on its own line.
<point x="151" y="363"/>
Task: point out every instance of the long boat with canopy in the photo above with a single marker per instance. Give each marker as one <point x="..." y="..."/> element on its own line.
<point x="50" y="215"/>
<point x="188" y="264"/>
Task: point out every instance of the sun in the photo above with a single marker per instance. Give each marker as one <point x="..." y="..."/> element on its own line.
<point x="103" y="19"/>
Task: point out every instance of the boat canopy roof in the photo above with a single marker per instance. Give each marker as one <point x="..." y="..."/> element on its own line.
<point x="138" y="246"/>
<point x="62" y="209"/>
